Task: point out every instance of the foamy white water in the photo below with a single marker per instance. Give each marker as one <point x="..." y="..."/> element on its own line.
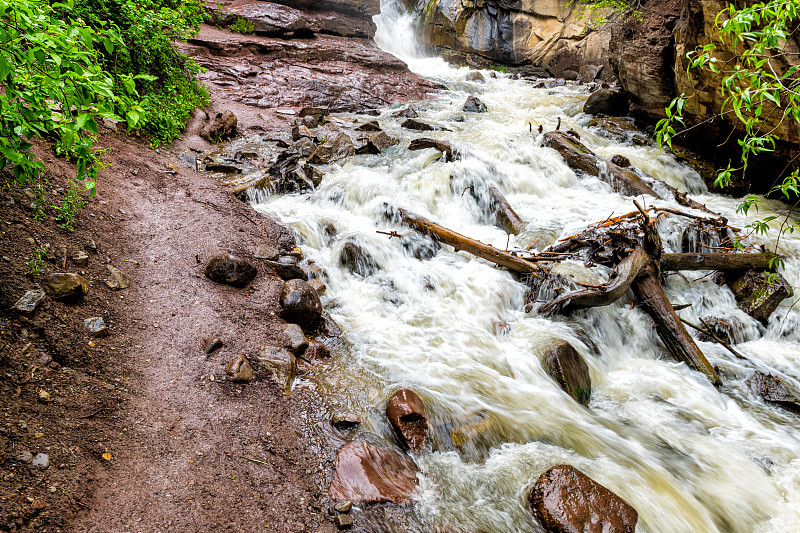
<point x="688" y="457"/>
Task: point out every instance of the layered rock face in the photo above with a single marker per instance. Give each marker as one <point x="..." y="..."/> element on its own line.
<point x="544" y="33"/>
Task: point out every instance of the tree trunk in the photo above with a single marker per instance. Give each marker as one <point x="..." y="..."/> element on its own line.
<point x="717" y="261"/>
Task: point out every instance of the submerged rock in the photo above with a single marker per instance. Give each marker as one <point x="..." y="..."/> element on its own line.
<point x="372" y="125"/>
<point x="301" y="304"/>
<point x="29" y="301"/>
<point x="408" y="112"/>
<point x="774" y="391"/>
<point x="357" y="260"/>
<point x="66" y="286"/>
<point x="339" y="148"/>
<point x="409" y="421"/>
<point x="568" y="368"/>
<point x="474" y="105"/>
<point x="230" y="270"/>
<point x="239" y="370"/>
<point x="443" y="146"/>
<point x="757" y="296"/>
<point x="565" y="500"/>
<point x="368" y="474"/>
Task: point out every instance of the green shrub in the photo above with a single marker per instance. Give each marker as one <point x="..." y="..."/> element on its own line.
<point x="242" y="25"/>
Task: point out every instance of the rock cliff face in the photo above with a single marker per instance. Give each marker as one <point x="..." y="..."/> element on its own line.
<point x="544" y="33"/>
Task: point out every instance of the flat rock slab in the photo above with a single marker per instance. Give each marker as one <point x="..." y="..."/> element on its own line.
<point x="367" y="474"/>
<point x="29" y="301"/>
<point x="565" y="500"/>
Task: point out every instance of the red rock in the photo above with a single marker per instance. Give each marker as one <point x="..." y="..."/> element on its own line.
<point x="366" y="473"/>
<point x="316" y="351"/>
<point x="409" y="421"/>
<point x="565" y="500"/>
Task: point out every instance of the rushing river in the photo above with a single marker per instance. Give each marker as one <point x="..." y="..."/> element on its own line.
<point x="688" y="457"/>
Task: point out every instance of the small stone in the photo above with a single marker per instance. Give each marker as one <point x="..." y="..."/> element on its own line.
<point x="475" y="75"/>
<point x="346" y="421"/>
<point x="40" y="460"/>
<point x="230" y="270"/>
<point x="280" y="363"/>
<point x="310" y="121"/>
<point x="316" y="351"/>
<point x="31" y="241"/>
<point x="25" y="457"/>
<point x="117" y="280"/>
<point x="96" y="326"/>
<point x="45" y="359"/>
<point x="29" y="301"/>
<point x="474" y="105"/>
<point x="80" y="258"/>
<point x="621" y="161"/>
<point x="343" y="521"/>
<point x="318" y="285"/>
<point x="44" y="396"/>
<point x="6" y="259"/>
<point x="239" y="370"/>
<point x="339" y="148"/>
<point x="343" y="507"/>
<point x="297" y="339"/>
<point x="298" y="132"/>
<point x="212" y="345"/>
<point x="67" y="286"/>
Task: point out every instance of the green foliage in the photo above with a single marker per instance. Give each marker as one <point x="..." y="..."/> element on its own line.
<point x="36" y="265"/>
<point x="499" y="68"/>
<point x="53" y="85"/>
<point x="71" y="205"/>
<point x="598" y="12"/>
<point x="761" y="88"/>
<point x="242" y="25"/>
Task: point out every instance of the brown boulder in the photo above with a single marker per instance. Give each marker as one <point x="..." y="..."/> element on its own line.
<point x="443" y="146"/>
<point x="409" y="421"/>
<point x="474" y="105"/>
<point x="366" y="474"/>
<point x="339" y="148"/>
<point x="758" y="295"/>
<point x="565" y="500"/>
<point x="607" y="102"/>
<point x="230" y="270"/>
<point x="357" y="260"/>
<point x="774" y="391"/>
<point x="412" y="124"/>
<point x="301" y="304"/>
<point x="567" y="367"/>
<point x="372" y="125"/>
<point x="222" y="126"/>
<point x="316" y="351"/>
<point x="66" y="286"/>
<point x="378" y="142"/>
<point x="239" y="370"/>
<point x="408" y="112"/>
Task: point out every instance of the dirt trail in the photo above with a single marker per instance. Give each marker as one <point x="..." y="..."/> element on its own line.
<point x="196" y="454"/>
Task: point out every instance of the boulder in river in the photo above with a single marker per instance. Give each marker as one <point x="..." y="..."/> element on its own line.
<point x="758" y="294"/>
<point x="301" y="304"/>
<point x="443" y="146"/>
<point x="372" y="125"/>
<point x="412" y="124"/>
<point x="409" y="421"/>
<point x="474" y="105"/>
<point x="568" y="368"/>
<point x="357" y="260"/>
<point x="368" y="474"/>
<point x="607" y="102"/>
<point x="408" y="112"/>
<point x="230" y="270"/>
<point x="565" y="500"/>
<point x="475" y="75"/>
<point x="774" y="391"/>
<point x="66" y="286"/>
<point x="339" y="148"/>
<point x="378" y="142"/>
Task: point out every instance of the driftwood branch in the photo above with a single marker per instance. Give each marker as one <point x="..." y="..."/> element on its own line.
<point x="708" y="331"/>
<point x="476" y="248"/>
<point x="718" y="261"/>
<point x="506" y="217"/>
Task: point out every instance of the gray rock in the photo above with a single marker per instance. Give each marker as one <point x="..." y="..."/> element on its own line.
<point x="117" y="279"/>
<point x="474" y="105"/>
<point x="80" y="258"/>
<point x="304" y="146"/>
<point x="25" y="457"/>
<point x="239" y="370"/>
<point x="66" y="286"/>
<point x="230" y="270"/>
<point x="378" y="142"/>
<point x="357" y="260"/>
<point x="40" y="460"/>
<point x="475" y="75"/>
<point x="299" y="132"/>
<point x="95" y="326"/>
<point x="297" y="339"/>
<point x="29" y="301"/>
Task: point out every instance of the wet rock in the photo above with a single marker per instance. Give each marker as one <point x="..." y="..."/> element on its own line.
<point x="372" y="125"/>
<point x="95" y="326"/>
<point x="567" y="500"/>
<point x="757" y="296"/>
<point x="408" y="112"/>
<point x="40" y="460"/>
<point x="66" y="286"/>
<point x="357" y="260"/>
<point x="409" y="421"/>
<point x="313" y="174"/>
<point x="280" y="363"/>
<point x="607" y="102"/>
<point x="301" y="132"/>
<point x="239" y="370"/>
<point x="29" y="301"/>
<point x="230" y="270"/>
<point x="443" y="146"/>
<point x="222" y="127"/>
<point x="310" y="121"/>
<point x="301" y="304"/>
<point x="366" y="473"/>
<point x="329" y="327"/>
<point x="212" y="345"/>
<point x="723" y="328"/>
<point x="313" y="271"/>
<point x="474" y="105"/>
<point x="286" y="268"/>
<point x="559" y="82"/>
<point x="265" y="251"/>
<point x="475" y="75"/>
<point x="297" y="339"/>
<point x="80" y="258"/>
<point x="318" y="285"/>
<point x="343" y="507"/>
<point x="343" y="521"/>
<point x="117" y="279"/>
<point x="339" y="148"/>
<point x="621" y="161"/>
<point x="774" y="391"/>
<point x="568" y="368"/>
<point x="223" y="166"/>
<point x="25" y="457"/>
<point x="313" y="111"/>
<point x="412" y="124"/>
<point x="379" y="142"/>
<point x="346" y="421"/>
<point x="623" y="129"/>
<point x="316" y="351"/>
<point x="304" y="147"/>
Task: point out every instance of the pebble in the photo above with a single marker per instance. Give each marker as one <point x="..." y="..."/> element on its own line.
<point x="41" y="460"/>
<point x="213" y="345"/>
<point x="80" y="258"/>
<point x="117" y="280"/>
<point x="343" y="521"/>
<point x="44" y="395"/>
<point x="25" y="457"/>
<point x="343" y="507"/>
<point x="95" y="326"/>
<point x="6" y="259"/>
<point x="239" y="370"/>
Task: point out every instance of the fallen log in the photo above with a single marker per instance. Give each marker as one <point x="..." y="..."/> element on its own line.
<point x="443" y="146"/>
<point x="581" y="158"/>
<point x="506" y="217"/>
<point x="718" y="261"/>
<point x="460" y="242"/>
<point x="620" y="280"/>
